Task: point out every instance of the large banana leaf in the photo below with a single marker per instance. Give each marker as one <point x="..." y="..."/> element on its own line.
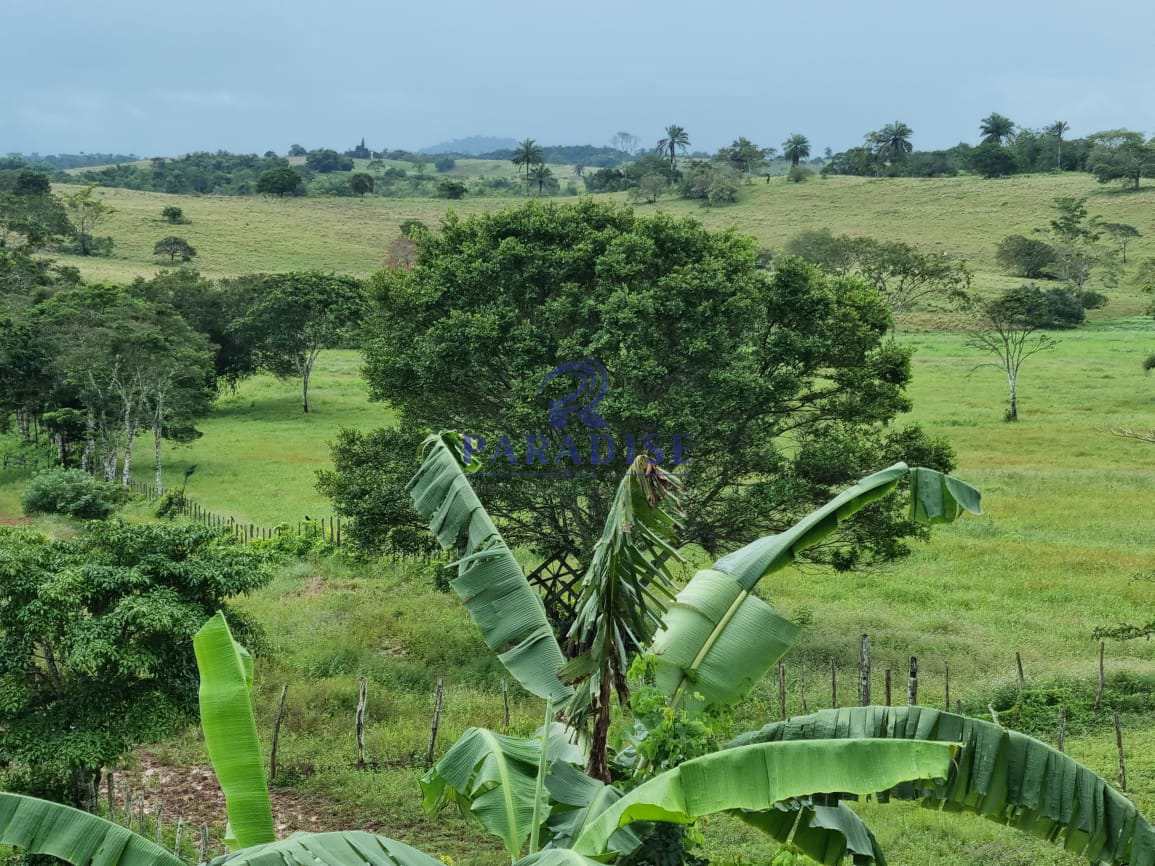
<point x="826" y="834"/>
<point x="755" y="778"/>
<point x="40" y="827"/>
<point x="343" y="848"/>
<point x="489" y="580"/>
<point x="492" y="778"/>
<point x="226" y="674"/>
<point x="557" y="857"/>
<point x="578" y="799"/>
<point x="719" y="639"/>
<point x="1000" y="774"/>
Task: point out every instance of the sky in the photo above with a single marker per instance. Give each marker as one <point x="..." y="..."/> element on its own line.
<point x="161" y="79"/>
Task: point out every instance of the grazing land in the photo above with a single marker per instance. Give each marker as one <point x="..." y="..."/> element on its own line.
<point x="1064" y="545"/>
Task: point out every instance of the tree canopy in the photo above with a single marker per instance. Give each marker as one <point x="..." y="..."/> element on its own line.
<point x="697" y="340"/>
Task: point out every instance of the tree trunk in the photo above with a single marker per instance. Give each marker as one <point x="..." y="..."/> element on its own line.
<point x="86" y="458"/>
<point x="1013" y="387"/>
<point x="597" y="767"/>
<point x="157" y="470"/>
<point x="305" y="388"/>
<point x="126" y="468"/>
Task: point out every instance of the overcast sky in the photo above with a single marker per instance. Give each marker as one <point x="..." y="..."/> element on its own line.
<point x="157" y="78"/>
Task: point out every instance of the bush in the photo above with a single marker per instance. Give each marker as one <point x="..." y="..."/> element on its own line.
<point x="1049" y="309"/>
<point x="1092" y="300"/>
<point x="451" y="189"/>
<point x="799" y="173"/>
<point x="173" y="214"/>
<point x="711" y="183"/>
<point x="444" y="164"/>
<point x="992" y="160"/>
<point x="1025" y="257"/>
<point x="71" y="492"/>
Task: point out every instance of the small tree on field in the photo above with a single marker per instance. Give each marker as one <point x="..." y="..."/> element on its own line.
<point x="1009" y="332"/>
<point x="526" y="155"/>
<point x="281" y="181"/>
<point x="173" y="246"/>
<point x="452" y="188"/>
<point x="1127" y="161"/>
<point x="540" y="174"/>
<point x="1123" y="234"/>
<point x="796" y="148"/>
<point x="997" y="129"/>
<point x="87" y="211"/>
<point x="1025" y="257"/>
<point x="675" y="141"/>
<point x="649" y="189"/>
<point x="296" y="315"/>
<point x="361" y="183"/>
<point x="173" y="215"/>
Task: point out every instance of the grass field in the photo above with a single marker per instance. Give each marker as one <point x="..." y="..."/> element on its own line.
<point x="965" y="216"/>
<point x="1062" y="548"/>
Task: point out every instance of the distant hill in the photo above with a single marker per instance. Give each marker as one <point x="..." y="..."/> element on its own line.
<point x="474" y="145"/>
<point x="570" y="154"/>
<point x="64" y="161"/>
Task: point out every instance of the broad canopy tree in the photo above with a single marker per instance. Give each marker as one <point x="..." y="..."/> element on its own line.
<point x="697" y="342"/>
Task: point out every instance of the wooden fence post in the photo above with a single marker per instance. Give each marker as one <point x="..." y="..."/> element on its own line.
<point x="277" y="719"/>
<point x="887" y="686"/>
<point x="1062" y="728"/>
<point x="864" y="671"/>
<point x="802" y="690"/>
<point x="1019" y="666"/>
<point x="504" y="705"/>
<point x="362" y="700"/>
<point x="833" y="683"/>
<point x="912" y="682"/>
<point x="110" y="792"/>
<point x="1102" y="678"/>
<point x="946" y="676"/>
<point x="1122" y="759"/>
<point x="435" y="724"/>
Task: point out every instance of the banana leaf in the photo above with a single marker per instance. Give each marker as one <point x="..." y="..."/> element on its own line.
<point x="40" y="827"/>
<point x="489" y="580"/>
<point x="491" y="778"/>
<point x="578" y="799"/>
<point x="226" y="675"/>
<point x="719" y="639"/>
<point x="557" y="857"/>
<point x="342" y="848"/>
<point x="756" y="777"/>
<point x="1003" y="775"/>
<point x="826" y="834"/>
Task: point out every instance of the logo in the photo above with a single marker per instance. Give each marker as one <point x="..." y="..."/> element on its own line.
<point x="563" y="447"/>
<point x="582" y="401"/>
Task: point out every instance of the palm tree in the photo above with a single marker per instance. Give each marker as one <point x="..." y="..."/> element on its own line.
<point x="893" y="140"/>
<point x="796" y="148"/>
<point x="676" y="139"/>
<point x="541" y="173"/>
<point x="1057" y="129"/>
<point x="529" y="154"/>
<point x="996" y="128"/>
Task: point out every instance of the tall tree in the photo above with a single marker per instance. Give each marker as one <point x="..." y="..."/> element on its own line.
<point x="997" y="128"/>
<point x="1009" y="333"/>
<point x="540" y="174"/>
<point x="796" y="148"/>
<point x="892" y="142"/>
<point x="295" y="315"/>
<point x="87" y="211"/>
<point x="1123" y="234"/>
<point x="1058" y="129"/>
<point x="676" y="140"/>
<point x="1128" y="161"/>
<point x="528" y="154"/>
<point x="465" y="338"/>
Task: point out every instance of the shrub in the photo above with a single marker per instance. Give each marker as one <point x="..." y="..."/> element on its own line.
<point x="173" y="214"/>
<point x="1049" y="309"/>
<point x="445" y="163"/>
<point x="799" y="173"/>
<point x="71" y="492"/>
<point x="451" y="189"/>
<point x="711" y="183"/>
<point x="1092" y="300"/>
<point x="1025" y="257"/>
<point x="992" y="160"/>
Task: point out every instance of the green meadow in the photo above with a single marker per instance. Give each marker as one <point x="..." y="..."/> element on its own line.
<point x="1065" y="543"/>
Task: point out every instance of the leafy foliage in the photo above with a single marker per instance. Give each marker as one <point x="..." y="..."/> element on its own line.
<point x="71" y="492"/>
<point x="521" y="291"/>
<point x="999" y="774"/>
<point x="95" y="643"/>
